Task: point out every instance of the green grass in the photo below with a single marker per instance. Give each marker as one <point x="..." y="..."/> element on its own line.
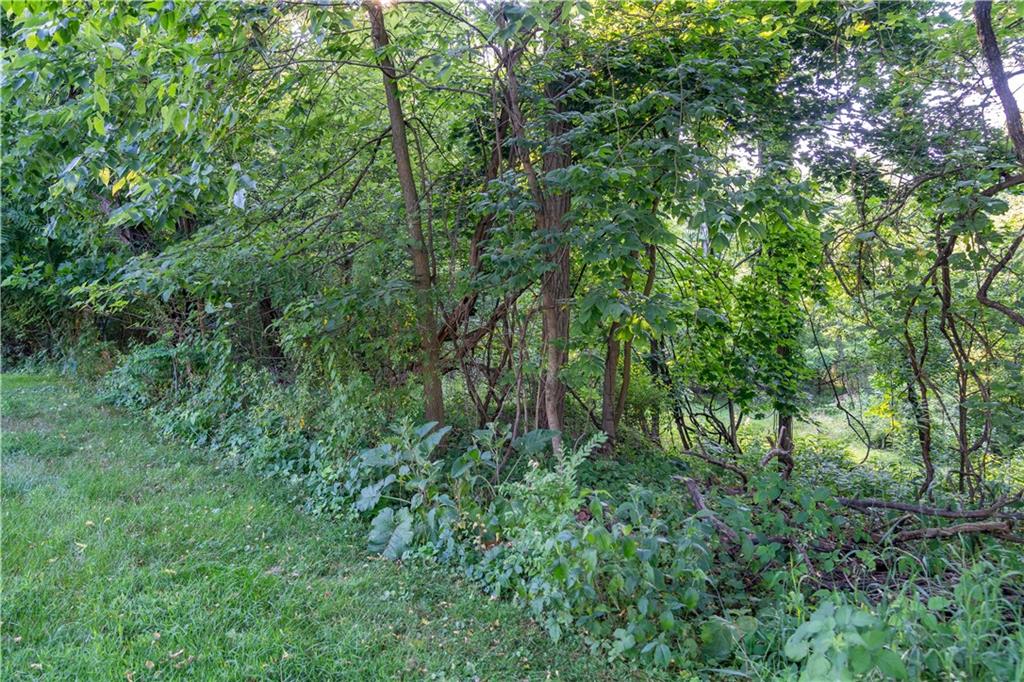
<point x="125" y="557"/>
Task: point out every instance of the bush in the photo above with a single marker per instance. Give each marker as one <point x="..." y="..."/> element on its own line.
<point x="143" y="378"/>
<point x="583" y="547"/>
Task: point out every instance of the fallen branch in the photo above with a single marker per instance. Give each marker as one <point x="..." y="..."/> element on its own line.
<point x="998" y="528"/>
<point x="733" y="538"/>
<point x="721" y="463"/>
<point x="993" y="509"/>
<point x="698" y="501"/>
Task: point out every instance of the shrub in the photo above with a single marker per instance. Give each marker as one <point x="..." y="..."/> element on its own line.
<point x="144" y="376"/>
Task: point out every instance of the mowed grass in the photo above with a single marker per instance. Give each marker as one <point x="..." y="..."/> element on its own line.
<point x="129" y="558"/>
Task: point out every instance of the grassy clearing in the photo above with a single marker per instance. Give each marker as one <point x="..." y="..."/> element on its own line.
<point x="128" y="558"/>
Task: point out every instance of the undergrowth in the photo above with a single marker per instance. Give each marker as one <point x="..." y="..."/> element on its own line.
<point x="613" y="551"/>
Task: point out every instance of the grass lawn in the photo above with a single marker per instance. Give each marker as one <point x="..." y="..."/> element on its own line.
<point x="128" y="558"/>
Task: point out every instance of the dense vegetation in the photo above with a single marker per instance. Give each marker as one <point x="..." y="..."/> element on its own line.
<point x="693" y="327"/>
<point x="128" y="557"/>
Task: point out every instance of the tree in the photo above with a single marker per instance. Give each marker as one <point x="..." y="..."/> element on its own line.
<point x="433" y="396"/>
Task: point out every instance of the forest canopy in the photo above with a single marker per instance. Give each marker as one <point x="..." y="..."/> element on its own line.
<point x="693" y="325"/>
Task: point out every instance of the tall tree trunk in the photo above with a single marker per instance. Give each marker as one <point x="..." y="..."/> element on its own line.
<point x="627" y="346"/>
<point x="552" y="206"/>
<point x="658" y="366"/>
<point x="785" y="444"/>
<point x="425" y="319"/>
<point x="555" y="282"/>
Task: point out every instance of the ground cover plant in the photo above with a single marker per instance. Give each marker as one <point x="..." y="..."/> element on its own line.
<point x="689" y="330"/>
<point x="129" y="557"/>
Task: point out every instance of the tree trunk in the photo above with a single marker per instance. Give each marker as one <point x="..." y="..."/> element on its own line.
<point x="609" y="396"/>
<point x="552" y="205"/>
<point x="425" y="319"/>
<point x="268" y="316"/>
<point x="555" y="282"/>
<point x="994" y="60"/>
<point x="785" y="444"/>
<point x="922" y="419"/>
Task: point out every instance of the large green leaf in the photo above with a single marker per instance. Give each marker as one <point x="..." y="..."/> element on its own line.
<point x="391" y="533"/>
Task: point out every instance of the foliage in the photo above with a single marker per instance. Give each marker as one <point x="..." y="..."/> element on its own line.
<point x="692" y="326"/>
<point x="237" y="578"/>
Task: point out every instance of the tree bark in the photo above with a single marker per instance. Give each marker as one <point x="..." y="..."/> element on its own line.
<point x="425" y="318"/>
<point x="555" y="282"/>
<point x="990" y="48"/>
<point x="922" y="418"/>
<point x="551" y="208"/>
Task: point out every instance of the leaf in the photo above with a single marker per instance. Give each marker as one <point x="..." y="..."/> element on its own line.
<point x="238" y="198"/>
<point x="369" y="496"/>
<point x="432" y="441"/>
<point x="98" y="124"/>
<point x="423" y="429"/>
<point x="716" y="639"/>
<point x="666" y="620"/>
<point x="662" y="655"/>
<point x="875" y="639"/>
<point x="796" y="648"/>
<point x="860" y="660"/>
<point x="460" y="466"/>
<point x="105" y="176"/>
<point x="101" y="101"/>
<point x="891" y="665"/>
<point x="377" y="457"/>
<point x="178" y="122"/>
<point x="817" y="668"/>
<point x="391" y="533"/>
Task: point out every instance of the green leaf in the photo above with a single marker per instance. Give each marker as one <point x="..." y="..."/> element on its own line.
<point x="98" y="124"/>
<point x="875" y="639"/>
<point x="817" y="668"/>
<point x="891" y="665"/>
<point x="666" y="620"/>
<point x="860" y="660"/>
<point x="391" y="533"/>
<point x="434" y="439"/>
<point x="369" y="496"/>
<point x="796" y="648"/>
<point x="101" y="101"/>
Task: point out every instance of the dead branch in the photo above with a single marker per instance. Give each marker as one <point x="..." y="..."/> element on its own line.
<point x="992" y="510"/>
<point x="998" y="528"/>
